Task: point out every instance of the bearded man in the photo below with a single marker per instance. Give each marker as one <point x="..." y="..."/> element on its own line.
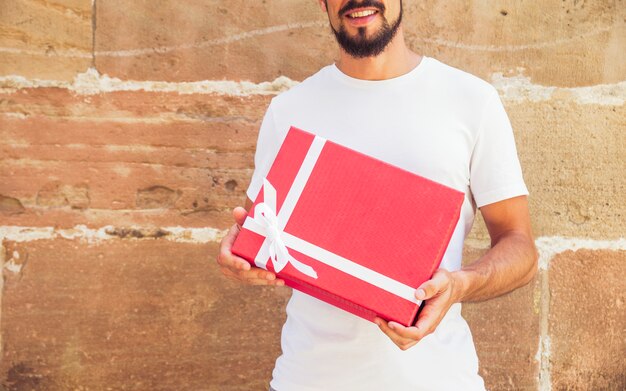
<point x="415" y="112"/>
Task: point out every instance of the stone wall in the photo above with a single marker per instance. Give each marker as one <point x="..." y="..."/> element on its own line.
<point x="127" y="133"/>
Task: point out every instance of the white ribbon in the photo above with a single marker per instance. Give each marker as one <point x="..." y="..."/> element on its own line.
<point x="271" y="225"/>
<point x="266" y="219"/>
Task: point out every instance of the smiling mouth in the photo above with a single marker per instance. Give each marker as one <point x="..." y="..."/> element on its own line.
<point x="361" y="17"/>
<point x="360" y="14"/>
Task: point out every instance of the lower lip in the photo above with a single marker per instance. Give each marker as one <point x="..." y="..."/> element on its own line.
<point x="362" y="20"/>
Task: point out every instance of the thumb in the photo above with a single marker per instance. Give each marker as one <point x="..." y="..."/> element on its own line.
<point x="239" y="213"/>
<point x="431" y="287"/>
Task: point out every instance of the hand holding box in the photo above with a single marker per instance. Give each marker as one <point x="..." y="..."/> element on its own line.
<point x="347" y="228"/>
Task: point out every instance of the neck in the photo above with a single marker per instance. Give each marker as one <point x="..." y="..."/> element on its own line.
<point x="396" y="60"/>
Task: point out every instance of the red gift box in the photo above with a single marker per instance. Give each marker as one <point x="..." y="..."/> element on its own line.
<point x="348" y="229"/>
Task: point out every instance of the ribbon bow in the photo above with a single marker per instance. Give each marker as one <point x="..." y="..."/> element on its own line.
<point x="266" y="218"/>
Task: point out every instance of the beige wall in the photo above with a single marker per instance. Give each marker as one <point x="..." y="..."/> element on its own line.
<point x="127" y="133"/>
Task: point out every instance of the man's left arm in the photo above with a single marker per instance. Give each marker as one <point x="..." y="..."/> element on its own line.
<point x="510" y="263"/>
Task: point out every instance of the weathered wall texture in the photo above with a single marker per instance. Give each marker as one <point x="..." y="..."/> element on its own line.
<point x="127" y="132"/>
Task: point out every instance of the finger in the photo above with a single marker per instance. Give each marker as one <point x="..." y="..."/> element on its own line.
<point x="233" y="262"/>
<point x="239" y="213"/>
<point x="226" y="257"/>
<point x="229" y="238"/>
<point x="384" y="327"/>
<point x="426" y="326"/>
<point x="432" y="287"/>
<point x="252" y="280"/>
<point x="259" y="281"/>
<point x="411" y="333"/>
<point x="430" y="317"/>
<point x="402" y="343"/>
<point x="256" y="273"/>
<point x="230" y="275"/>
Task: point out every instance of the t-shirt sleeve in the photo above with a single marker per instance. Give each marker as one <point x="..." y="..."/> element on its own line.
<point x="495" y="171"/>
<point x="267" y="146"/>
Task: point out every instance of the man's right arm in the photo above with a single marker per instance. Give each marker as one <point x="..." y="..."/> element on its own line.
<point x="236" y="268"/>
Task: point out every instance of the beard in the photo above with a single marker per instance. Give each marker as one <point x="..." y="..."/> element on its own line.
<point x="361" y="46"/>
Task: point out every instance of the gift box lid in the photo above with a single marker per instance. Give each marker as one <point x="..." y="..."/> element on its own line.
<point x="375" y="229"/>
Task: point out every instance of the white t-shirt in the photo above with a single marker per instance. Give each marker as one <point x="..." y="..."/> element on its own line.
<point x="438" y="122"/>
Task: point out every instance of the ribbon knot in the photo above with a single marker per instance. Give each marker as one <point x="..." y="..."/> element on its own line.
<point x="273" y="234"/>
<point x="271" y="221"/>
<point x="266" y="218"/>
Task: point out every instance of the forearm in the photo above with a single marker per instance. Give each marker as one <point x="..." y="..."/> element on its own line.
<point x="508" y="265"/>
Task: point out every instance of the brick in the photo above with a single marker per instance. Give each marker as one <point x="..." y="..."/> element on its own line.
<point x="571" y="155"/>
<point x="574" y="199"/>
<point x="506" y="335"/>
<point x="132" y="106"/>
<point x="10" y="205"/>
<point x="587" y="319"/>
<point x="134" y="314"/>
<point x="47" y="137"/>
<point x="90" y="160"/>
<point x="204" y="196"/>
<point x="55" y="194"/>
<point x="192" y="50"/>
<point x="155" y="197"/>
<point x="556" y="43"/>
<point x="46" y="40"/>
<point x="561" y="43"/>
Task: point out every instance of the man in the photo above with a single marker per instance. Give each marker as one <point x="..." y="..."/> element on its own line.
<point x="417" y="113"/>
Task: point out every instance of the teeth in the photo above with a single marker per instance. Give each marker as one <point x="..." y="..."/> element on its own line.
<point x="361" y="14"/>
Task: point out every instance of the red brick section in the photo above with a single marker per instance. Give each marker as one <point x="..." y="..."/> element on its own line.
<point x="74" y="159"/>
<point x="125" y="158"/>
<point x="587" y="320"/>
<point x="133" y="314"/>
<point x="506" y="335"/>
<point x="259" y="41"/>
<point x="61" y="102"/>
